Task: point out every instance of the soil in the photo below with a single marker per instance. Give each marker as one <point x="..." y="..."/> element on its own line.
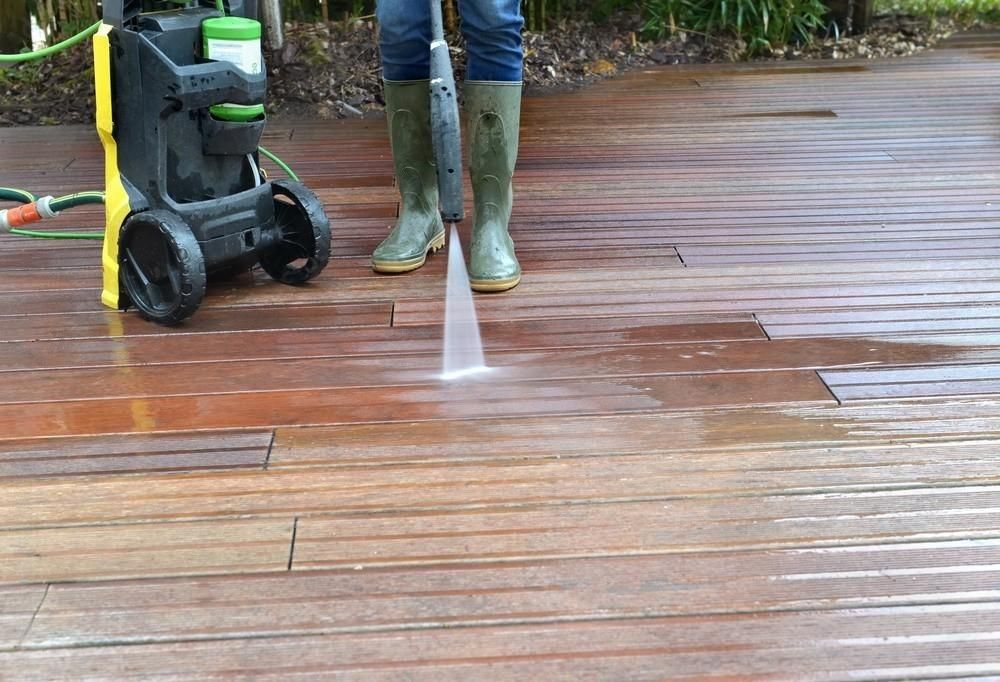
<point x="332" y="70"/>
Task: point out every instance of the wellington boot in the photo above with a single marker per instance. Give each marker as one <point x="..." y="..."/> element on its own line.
<point x="493" y="113"/>
<point x="418" y="228"/>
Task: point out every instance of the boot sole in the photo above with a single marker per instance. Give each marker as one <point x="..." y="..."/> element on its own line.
<point x="494" y="285"/>
<point x="395" y="267"/>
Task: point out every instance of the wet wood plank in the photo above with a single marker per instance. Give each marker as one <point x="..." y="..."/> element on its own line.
<point x="982" y="320"/>
<point x="133" y="454"/>
<point x="909" y="646"/>
<point x="418" y="479"/>
<point x="662" y="526"/>
<point x="18" y="606"/>
<point x="426" y="400"/>
<point x="916" y="382"/>
<point x="100" y="553"/>
<point x="688" y="284"/>
<point x="313" y="333"/>
<point x="807" y="434"/>
<point x="318" y="602"/>
<point x="531" y="302"/>
<point x="112" y="326"/>
<point x="78" y="268"/>
<point x="339" y="368"/>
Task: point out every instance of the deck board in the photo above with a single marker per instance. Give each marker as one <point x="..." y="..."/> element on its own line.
<point x="134" y="454"/>
<point x="418" y="398"/>
<point x="318" y="602"/>
<point x="533" y="475"/>
<point x="18" y="606"/>
<point x="51" y="554"/>
<point x="880" y="644"/>
<point x="745" y="421"/>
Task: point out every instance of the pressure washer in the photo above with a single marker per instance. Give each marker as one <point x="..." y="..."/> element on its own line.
<point x="180" y="90"/>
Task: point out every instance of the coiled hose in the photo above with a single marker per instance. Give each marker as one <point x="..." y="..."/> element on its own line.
<point x="35" y="208"/>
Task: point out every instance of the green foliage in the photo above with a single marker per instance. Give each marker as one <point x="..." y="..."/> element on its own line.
<point x="601" y="10"/>
<point x="28" y="74"/>
<point x="311" y="10"/>
<point x="762" y="24"/>
<point x="537" y="13"/>
<point x="964" y="11"/>
<point x="665" y="17"/>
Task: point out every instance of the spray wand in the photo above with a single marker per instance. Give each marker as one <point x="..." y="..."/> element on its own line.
<point x="445" y="128"/>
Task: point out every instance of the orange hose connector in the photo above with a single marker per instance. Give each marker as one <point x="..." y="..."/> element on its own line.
<point x="13" y="218"/>
<point x="23" y="215"/>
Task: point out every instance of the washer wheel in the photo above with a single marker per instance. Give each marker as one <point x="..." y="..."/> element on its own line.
<point x="162" y="269"/>
<point x="303" y="247"/>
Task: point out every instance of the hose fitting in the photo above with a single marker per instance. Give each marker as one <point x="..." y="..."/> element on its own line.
<point x="26" y="214"/>
<point x="45" y="207"/>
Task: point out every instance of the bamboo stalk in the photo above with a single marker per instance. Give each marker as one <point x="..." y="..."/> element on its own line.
<point x="63" y="18"/>
<point x="450" y="16"/>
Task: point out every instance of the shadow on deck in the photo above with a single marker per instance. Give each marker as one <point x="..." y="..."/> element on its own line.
<point x="747" y="423"/>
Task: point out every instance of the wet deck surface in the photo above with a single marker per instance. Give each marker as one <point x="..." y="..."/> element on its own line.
<point x="746" y="421"/>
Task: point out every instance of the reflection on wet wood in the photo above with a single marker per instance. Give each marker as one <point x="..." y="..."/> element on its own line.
<point x="745" y="418"/>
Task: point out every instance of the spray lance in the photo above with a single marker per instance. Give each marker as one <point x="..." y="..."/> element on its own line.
<point x="445" y="128"/>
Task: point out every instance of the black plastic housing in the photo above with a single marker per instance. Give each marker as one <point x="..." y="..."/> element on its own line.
<point x="172" y="154"/>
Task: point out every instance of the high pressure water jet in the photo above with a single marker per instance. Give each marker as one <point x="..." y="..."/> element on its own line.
<point x="463" y="347"/>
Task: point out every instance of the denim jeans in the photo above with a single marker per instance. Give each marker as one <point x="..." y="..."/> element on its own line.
<point x="492" y="30"/>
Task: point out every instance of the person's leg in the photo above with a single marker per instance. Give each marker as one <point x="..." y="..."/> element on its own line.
<point x="405" y="47"/>
<point x="404" y="39"/>
<point x="492" y="31"/>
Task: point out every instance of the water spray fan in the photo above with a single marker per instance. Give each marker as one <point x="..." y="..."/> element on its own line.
<point x="180" y="112"/>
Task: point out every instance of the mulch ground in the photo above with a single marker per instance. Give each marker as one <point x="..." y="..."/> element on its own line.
<point x="332" y="70"/>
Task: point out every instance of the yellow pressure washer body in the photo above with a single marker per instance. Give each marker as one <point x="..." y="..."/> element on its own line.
<point x="180" y="92"/>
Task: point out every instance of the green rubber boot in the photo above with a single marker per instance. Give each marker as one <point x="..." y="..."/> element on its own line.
<point x="418" y="228"/>
<point x="493" y="112"/>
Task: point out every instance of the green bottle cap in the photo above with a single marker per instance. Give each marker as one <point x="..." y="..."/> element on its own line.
<point x="237" y="113"/>
<point x="231" y="28"/>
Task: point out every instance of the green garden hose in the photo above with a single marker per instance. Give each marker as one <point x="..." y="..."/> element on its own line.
<point x="52" y="49"/>
<point x="34" y="208"/>
<point x="78" y="199"/>
<point x="19" y="195"/>
<point x="38" y="234"/>
<point x="281" y="164"/>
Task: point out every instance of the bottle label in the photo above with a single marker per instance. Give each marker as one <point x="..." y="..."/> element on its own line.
<point x="244" y="54"/>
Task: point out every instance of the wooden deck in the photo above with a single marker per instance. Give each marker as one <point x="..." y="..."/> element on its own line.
<point x="747" y="421"/>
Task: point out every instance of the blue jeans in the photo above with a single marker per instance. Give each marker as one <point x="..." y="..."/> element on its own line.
<point x="492" y="30"/>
